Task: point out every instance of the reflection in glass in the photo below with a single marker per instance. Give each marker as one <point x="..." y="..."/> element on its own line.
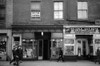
<point x="69" y="41"/>
<point x="69" y="50"/>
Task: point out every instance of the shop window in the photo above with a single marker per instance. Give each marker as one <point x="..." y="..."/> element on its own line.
<point x="55" y="44"/>
<point x="2" y="46"/>
<point x="16" y="38"/>
<point x="97" y="41"/>
<point x="69" y="41"/>
<point x="29" y="48"/>
<point x="69" y="50"/>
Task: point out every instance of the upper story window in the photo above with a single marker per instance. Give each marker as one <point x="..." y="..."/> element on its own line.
<point x="2" y="14"/>
<point x="82" y="10"/>
<point x="58" y="10"/>
<point x="35" y="10"/>
<point x="2" y="2"/>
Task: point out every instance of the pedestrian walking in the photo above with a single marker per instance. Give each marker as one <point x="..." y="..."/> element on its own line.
<point x="14" y="54"/>
<point x="98" y="55"/>
<point x="60" y="55"/>
<point x="20" y="53"/>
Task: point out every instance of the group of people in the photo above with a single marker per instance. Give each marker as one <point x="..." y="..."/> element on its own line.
<point x="17" y="54"/>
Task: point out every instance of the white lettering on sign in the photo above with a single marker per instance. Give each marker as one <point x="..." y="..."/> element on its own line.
<point x="81" y="30"/>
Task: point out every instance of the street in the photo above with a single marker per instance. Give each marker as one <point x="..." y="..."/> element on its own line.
<point x="52" y="63"/>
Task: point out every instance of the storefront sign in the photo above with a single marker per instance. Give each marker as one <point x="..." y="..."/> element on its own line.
<point x="84" y="30"/>
<point x="97" y="41"/>
<point x="81" y="30"/>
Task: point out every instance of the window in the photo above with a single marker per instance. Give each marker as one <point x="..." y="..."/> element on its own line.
<point x="2" y="14"/>
<point x="58" y="10"/>
<point x="82" y="10"/>
<point x="35" y="10"/>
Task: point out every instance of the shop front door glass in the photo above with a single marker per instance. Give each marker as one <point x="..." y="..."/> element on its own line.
<point x="40" y="51"/>
<point x="83" y="48"/>
<point x="55" y="44"/>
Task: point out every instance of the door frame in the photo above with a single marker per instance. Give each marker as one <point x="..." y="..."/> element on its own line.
<point x="81" y="40"/>
<point x="40" y="57"/>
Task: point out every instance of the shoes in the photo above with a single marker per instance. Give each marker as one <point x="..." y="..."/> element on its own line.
<point x="20" y="61"/>
<point x="14" y="63"/>
<point x="9" y="62"/>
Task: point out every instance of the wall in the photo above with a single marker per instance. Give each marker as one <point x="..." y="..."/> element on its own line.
<point x="22" y="12"/>
<point x="9" y="13"/>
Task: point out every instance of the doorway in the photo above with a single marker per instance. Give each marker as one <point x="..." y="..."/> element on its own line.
<point x="84" y="46"/>
<point x="44" y="45"/>
<point x="44" y="48"/>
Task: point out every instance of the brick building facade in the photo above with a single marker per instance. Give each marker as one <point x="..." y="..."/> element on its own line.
<point x="42" y="26"/>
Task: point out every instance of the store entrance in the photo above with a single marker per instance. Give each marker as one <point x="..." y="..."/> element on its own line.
<point x="44" y="45"/>
<point x="84" y="46"/>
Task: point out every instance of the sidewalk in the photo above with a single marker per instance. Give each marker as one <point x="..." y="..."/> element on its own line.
<point x="51" y="63"/>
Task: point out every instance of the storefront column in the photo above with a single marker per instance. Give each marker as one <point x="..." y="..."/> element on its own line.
<point x="96" y="43"/>
<point x="7" y="40"/>
<point x="9" y="45"/>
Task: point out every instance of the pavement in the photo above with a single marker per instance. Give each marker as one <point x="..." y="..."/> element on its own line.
<point x="51" y="63"/>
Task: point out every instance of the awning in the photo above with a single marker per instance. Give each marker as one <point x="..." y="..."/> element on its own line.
<point x="38" y="28"/>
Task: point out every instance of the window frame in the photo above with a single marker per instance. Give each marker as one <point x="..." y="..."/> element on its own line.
<point x="82" y="10"/>
<point x="57" y="11"/>
<point x="35" y="18"/>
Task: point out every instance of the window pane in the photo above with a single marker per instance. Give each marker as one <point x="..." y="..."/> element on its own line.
<point x="60" y="15"/>
<point x="56" y="15"/>
<point x="35" y="14"/>
<point x="82" y="5"/>
<point x="58" y="10"/>
<point x="79" y="5"/>
<point x="35" y="10"/>
<point x="35" y="6"/>
<point x="58" y="6"/>
<point x="82" y="15"/>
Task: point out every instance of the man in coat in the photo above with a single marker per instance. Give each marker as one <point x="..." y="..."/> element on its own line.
<point x="60" y="55"/>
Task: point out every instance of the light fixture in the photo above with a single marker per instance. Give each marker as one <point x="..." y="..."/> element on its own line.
<point x="23" y="40"/>
<point x="31" y="39"/>
<point x="42" y="33"/>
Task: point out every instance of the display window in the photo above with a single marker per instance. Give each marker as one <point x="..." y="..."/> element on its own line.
<point x="2" y="45"/>
<point x="97" y="41"/>
<point x="69" y="41"/>
<point x="29" y="49"/>
<point x="68" y="46"/>
<point x="56" y="43"/>
<point x="69" y="50"/>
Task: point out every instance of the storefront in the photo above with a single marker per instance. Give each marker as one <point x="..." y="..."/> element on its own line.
<point x="56" y="42"/>
<point x="81" y="41"/>
<point x="5" y="43"/>
<point x="37" y="41"/>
